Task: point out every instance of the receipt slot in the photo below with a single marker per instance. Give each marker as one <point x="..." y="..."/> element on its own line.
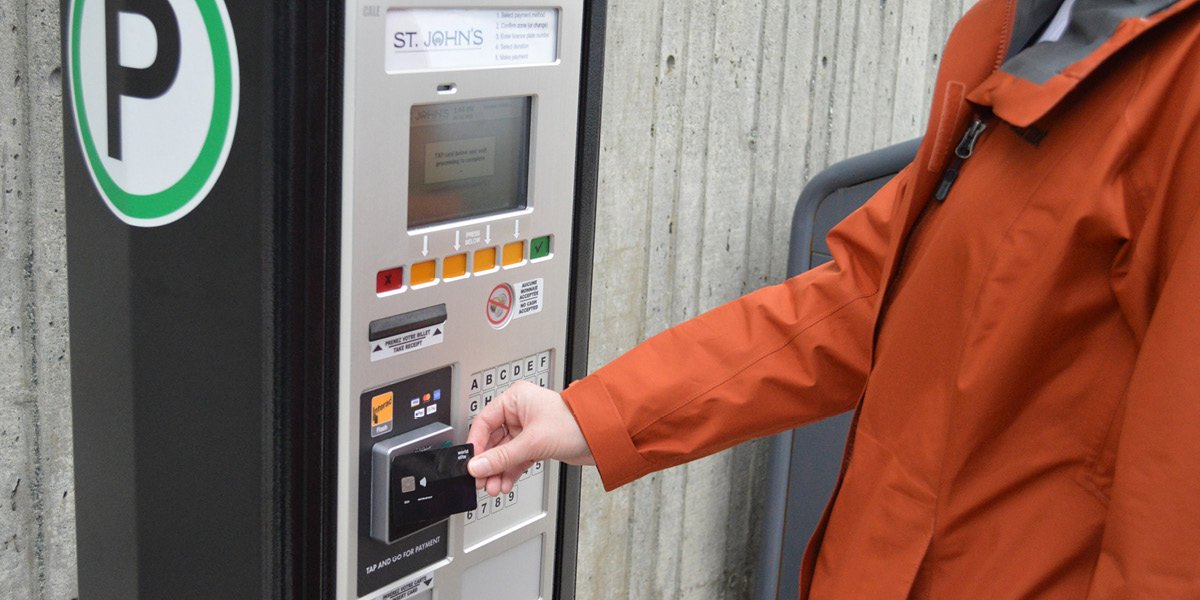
<point x="308" y="244"/>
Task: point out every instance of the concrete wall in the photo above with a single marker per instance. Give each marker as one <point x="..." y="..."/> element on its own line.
<point x="37" y="538"/>
<point x="717" y="112"/>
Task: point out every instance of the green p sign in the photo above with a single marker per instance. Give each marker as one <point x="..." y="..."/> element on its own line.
<point x="154" y="91"/>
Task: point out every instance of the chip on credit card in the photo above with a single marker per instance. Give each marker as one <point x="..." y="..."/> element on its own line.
<point x="431" y="485"/>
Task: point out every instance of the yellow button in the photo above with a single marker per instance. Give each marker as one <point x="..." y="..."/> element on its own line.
<point x="485" y="260"/>
<point x="423" y="273"/>
<point x="514" y="253"/>
<point x="454" y="267"/>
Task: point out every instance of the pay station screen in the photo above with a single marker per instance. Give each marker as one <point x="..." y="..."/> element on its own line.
<point x="468" y="159"/>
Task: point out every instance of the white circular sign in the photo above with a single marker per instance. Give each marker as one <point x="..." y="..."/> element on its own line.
<point x="154" y="91"/>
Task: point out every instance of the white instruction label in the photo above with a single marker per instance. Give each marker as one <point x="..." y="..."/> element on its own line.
<point x="410" y="589"/>
<point x="408" y="342"/>
<point x="430" y="39"/>
<point x="529" y="297"/>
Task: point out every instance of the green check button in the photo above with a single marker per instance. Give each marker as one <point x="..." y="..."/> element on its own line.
<point x="539" y="248"/>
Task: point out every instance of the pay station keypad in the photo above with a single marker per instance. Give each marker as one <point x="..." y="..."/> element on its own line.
<point x="484" y="386"/>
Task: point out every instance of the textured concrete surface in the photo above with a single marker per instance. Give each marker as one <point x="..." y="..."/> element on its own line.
<point x="37" y="539"/>
<point x="716" y="114"/>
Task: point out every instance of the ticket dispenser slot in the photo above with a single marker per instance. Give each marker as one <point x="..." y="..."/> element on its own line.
<point x="411" y="322"/>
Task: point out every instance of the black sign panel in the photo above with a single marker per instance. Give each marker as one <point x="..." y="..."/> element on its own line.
<point x="414" y="403"/>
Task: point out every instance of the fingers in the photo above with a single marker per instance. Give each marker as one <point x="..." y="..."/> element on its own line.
<point x="503" y="459"/>
<point x="505" y="482"/>
<point x="521" y="426"/>
<point x="487" y="425"/>
<point x="503" y="448"/>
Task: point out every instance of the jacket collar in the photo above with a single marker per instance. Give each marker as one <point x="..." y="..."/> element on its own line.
<point x="1034" y="79"/>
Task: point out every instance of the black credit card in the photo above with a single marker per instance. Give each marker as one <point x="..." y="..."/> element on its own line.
<point x="430" y="486"/>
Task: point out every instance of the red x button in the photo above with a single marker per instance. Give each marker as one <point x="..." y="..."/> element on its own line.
<point x="389" y="280"/>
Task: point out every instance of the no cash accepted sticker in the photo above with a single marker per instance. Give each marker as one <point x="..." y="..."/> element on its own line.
<point x="529" y="297"/>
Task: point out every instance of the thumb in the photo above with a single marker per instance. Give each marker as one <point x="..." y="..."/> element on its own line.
<point x="503" y="458"/>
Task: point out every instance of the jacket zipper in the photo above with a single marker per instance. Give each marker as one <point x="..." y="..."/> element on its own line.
<point x="965" y="149"/>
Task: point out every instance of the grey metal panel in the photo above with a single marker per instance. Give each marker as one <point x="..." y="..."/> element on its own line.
<point x="804" y="463"/>
<point x="377" y="236"/>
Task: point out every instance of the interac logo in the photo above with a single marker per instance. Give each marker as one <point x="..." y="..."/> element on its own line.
<point x="154" y="91"/>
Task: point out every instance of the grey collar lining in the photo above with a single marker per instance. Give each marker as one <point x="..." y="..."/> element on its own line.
<point x="1092" y="23"/>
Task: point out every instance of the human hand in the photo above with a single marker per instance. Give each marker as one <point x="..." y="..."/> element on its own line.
<point x="521" y="426"/>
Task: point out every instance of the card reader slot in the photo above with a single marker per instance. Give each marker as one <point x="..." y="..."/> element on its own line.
<point x="411" y="321"/>
<point x="382" y="454"/>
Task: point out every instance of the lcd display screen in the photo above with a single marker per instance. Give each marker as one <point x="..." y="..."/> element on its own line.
<point x="468" y="159"/>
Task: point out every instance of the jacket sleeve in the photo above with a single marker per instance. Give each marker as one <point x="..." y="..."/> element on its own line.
<point x="777" y="358"/>
<point x="1151" y="544"/>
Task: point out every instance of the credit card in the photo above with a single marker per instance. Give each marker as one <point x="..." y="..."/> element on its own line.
<point x="430" y="486"/>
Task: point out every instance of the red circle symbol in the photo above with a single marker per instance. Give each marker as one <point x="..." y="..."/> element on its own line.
<point x="499" y="305"/>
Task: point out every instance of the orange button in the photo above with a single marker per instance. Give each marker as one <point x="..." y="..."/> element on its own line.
<point x="514" y="253"/>
<point x="454" y="267"/>
<point x="485" y="260"/>
<point x="423" y="273"/>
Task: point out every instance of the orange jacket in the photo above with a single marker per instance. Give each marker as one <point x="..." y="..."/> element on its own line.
<point x="1024" y="355"/>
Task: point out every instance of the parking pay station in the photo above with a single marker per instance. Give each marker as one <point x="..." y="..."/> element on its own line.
<point x="307" y="245"/>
